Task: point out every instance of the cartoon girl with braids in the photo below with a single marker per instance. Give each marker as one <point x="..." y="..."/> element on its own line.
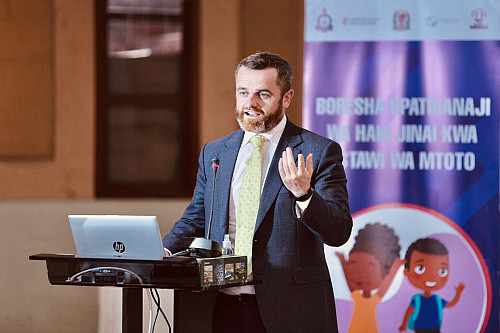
<point x="373" y="262"/>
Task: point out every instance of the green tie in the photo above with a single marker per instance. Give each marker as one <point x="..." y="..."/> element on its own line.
<point x="248" y="204"/>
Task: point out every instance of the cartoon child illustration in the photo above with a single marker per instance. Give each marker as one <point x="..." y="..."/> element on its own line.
<point x="373" y="262"/>
<point x="427" y="268"/>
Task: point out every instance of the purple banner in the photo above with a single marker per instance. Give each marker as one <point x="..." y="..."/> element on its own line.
<point x="419" y="126"/>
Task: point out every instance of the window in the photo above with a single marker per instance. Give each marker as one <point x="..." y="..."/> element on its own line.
<point x="146" y="98"/>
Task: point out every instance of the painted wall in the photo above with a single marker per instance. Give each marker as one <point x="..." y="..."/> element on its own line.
<point x="230" y="30"/>
<point x="38" y="194"/>
<point x="70" y="172"/>
<point x="29" y="302"/>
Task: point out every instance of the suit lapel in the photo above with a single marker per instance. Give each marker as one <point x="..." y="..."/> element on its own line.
<point x="290" y="138"/>
<point x="227" y="157"/>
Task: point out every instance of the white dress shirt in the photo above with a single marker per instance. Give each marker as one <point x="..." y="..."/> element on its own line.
<point x="244" y="154"/>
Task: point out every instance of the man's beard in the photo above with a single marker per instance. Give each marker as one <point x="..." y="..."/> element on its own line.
<point x="260" y="125"/>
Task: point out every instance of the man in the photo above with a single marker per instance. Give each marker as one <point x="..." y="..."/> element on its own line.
<point x="303" y="205"/>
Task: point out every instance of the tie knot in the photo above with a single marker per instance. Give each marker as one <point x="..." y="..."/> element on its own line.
<point x="257" y="141"/>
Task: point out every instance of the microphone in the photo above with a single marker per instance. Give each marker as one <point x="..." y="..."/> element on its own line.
<point x="205" y="247"/>
<point x="215" y="168"/>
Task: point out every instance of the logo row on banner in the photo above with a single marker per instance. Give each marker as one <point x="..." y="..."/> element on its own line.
<point x="367" y="20"/>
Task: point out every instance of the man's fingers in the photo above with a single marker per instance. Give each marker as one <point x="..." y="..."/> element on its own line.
<point x="309" y="164"/>
<point x="290" y="160"/>
<point x="301" y="162"/>
<point x="303" y="165"/>
<point x="281" y="169"/>
<point x="285" y="166"/>
<point x="296" y="177"/>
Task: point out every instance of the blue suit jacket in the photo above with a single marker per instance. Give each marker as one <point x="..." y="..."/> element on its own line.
<point x="296" y="293"/>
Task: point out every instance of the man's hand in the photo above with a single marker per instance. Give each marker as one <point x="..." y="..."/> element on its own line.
<point x="297" y="179"/>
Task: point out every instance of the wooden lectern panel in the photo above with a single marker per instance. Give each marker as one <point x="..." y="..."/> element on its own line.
<point x="193" y="311"/>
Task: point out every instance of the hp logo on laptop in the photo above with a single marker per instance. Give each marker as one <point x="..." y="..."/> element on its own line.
<point x="119" y="247"/>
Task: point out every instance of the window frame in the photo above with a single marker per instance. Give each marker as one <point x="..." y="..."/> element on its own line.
<point x="183" y="185"/>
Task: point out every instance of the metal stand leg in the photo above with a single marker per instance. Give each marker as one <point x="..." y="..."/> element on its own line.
<point x="132" y="310"/>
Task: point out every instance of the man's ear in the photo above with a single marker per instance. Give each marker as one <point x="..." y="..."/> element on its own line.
<point x="406" y="271"/>
<point x="287" y="98"/>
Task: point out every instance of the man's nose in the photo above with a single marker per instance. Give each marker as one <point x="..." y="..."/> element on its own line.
<point x="253" y="101"/>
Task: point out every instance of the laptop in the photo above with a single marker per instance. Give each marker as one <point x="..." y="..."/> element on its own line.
<point x="117" y="237"/>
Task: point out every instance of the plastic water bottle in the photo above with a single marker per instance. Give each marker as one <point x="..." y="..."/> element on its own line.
<point x="226" y="245"/>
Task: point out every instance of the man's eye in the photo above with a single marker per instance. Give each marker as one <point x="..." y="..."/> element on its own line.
<point x="420" y="269"/>
<point x="443" y="272"/>
<point x="263" y="95"/>
<point x="243" y="93"/>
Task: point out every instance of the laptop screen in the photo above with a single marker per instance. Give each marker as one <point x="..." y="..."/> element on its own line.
<point x="117" y="236"/>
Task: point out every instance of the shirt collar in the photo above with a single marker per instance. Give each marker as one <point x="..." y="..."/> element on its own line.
<point x="274" y="135"/>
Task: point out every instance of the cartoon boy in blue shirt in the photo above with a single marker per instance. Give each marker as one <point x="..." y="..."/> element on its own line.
<point x="427" y="268"/>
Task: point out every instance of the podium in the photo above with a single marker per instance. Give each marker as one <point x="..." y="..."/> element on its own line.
<point x="194" y="280"/>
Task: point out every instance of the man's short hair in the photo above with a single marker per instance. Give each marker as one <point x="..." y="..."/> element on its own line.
<point x="264" y="60"/>
<point x="427" y="246"/>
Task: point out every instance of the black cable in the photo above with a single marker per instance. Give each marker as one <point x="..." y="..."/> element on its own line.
<point x="163" y="313"/>
<point x="156" y="300"/>
<point x="157" y="307"/>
